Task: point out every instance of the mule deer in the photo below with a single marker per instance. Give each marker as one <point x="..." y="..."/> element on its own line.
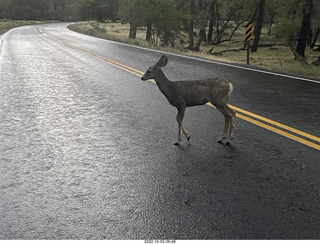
<point x="182" y="94"/>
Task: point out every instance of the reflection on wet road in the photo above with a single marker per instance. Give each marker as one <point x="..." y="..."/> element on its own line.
<point x="87" y="152"/>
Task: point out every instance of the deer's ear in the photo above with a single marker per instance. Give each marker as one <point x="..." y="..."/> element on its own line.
<point x="162" y="61"/>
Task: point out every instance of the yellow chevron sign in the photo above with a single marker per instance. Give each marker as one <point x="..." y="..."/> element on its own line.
<point x="248" y="31"/>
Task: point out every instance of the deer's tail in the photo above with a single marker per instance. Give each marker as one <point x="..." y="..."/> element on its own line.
<point x="230" y="90"/>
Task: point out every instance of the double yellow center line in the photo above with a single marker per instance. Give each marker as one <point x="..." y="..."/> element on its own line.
<point x="276" y="127"/>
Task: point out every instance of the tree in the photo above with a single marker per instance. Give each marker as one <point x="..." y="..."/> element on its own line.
<point x="226" y="12"/>
<point x="304" y="29"/>
<point x="224" y="18"/>
<point x="293" y="22"/>
<point x="212" y="19"/>
<point x="65" y="10"/>
<point x="165" y="20"/>
<point x="3" y="8"/>
<point x="97" y="9"/>
<point x="113" y="10"/>
<point x="316" y="5"/>
<point x="160" y="16"/>
<point x="27" y="9"/>
<point x="202" y="21"/>
<point x="191" y="24"/>
<point x="133" y="12"/>
<point x="258" y="27"/>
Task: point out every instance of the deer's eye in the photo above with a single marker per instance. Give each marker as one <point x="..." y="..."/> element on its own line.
<point x="149" y="71"/>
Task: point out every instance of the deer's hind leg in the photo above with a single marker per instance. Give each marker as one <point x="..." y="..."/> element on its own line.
<point x="232" y="113"/>
<point x="229" y="125"/>
<point x="180" y="116"/>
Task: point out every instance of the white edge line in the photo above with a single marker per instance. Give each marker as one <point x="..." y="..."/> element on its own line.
<point x="206" y="60"/>
<point x="221" y="63"/>
<point x="3" y="36"/>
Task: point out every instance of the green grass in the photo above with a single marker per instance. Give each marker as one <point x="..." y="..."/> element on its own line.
<point x="6" y="24"/>
<point x="278" y="57"/>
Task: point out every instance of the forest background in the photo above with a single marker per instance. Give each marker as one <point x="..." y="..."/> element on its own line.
<point x="285" y="32"/>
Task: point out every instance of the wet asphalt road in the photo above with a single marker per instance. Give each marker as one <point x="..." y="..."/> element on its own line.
<point x="86" y="148"/>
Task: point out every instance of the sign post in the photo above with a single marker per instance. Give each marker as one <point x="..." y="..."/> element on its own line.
<point x="248" y="38"/>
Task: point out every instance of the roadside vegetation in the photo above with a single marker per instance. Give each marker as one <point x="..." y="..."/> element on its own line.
<point x="285" y="32"/>
<point x="7" y="24"/>
<point x="271" y="55"/>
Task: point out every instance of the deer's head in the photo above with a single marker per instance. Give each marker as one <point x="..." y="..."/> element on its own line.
<point x="153" y="70"/>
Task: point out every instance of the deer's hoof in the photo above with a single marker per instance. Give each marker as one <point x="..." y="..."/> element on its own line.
<point x="177" y="144"/>
<point x="220" y="142"/>
<point x="188" y="138"/>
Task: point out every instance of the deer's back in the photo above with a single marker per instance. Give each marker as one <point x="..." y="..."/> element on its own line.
<point x="199" y="92"/>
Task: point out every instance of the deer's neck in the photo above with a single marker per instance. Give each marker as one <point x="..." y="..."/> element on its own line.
<point x="163" y="83"/>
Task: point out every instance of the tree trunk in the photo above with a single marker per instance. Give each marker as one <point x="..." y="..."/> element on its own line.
<point x="252" y="20"/>
<point x="202" y="38"/>
<point x="271" y="23"/>
<point x="258" y="27"/>
<point x="191" y="22"/>
<point x="303" y="36"/>
<point x="200" y="5"/>
<point x="148" y="33"/>
<point x="212" y="20"/>
<point x="191" y="39"/>
<point x="315" y="38"/>
<point x="100" y="17"/>
<point x="297" y="55"/>
<point x="186" y="25"/>
<point x="202" y="34"/>
<point x="133" y="31"/>
<point x="218" y="21"/>
<point x="220" y="32"/>
<point x="316" y="5"/>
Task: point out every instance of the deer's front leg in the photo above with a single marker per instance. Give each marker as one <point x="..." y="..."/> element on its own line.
<point x="179" y="118"/>
<point x="186" y="133"/>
